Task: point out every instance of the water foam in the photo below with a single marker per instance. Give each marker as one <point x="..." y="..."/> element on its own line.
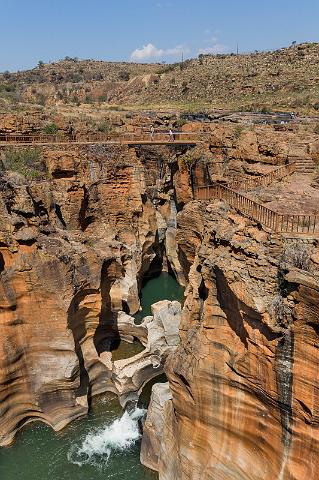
<point x="98" y="446"/>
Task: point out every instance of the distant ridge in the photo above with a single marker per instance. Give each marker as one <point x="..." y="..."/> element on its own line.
<point x="285" y="79"/>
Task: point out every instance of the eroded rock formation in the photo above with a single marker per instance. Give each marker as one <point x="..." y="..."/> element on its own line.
<point x="161" y="338"/>
<point x="242" y="398"/>
<point x="243" y="382"/>
<point x="73" y="253"/>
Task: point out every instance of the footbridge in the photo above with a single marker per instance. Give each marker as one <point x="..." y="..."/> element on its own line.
<point x="129" y="139"/>
<point x="281" y="223"/>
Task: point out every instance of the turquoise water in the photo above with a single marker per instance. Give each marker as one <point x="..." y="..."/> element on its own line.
<point x="162" y="287"/>
<point x="79" y="452"/>
<point x="103" y="446"/>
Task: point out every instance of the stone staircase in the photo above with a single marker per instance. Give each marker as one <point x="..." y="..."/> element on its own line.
<point x="304" y="165"/>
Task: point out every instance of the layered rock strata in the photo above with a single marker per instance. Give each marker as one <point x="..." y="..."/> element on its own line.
<point x="130" y="375"/>
<point x="73" y="253"/>
<point x="243" y="383"/>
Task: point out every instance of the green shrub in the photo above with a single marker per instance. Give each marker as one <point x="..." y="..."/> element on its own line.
<point x="71" y="59"/>
<point x="190" y="158"/>
<point x="180" y="122"/>
<point x="76" y="77"/>
<point x="75" y="99"/>
<point x="7" y="87"/>
<point x="103" y="98"/>
<point x="41" y="99"/>
<point x="166" y="69"/>
<point x="50" y="129"/>
<point x="238" y="131"/>
<point x="301" y="101"/>
<point x="265" y="110"/>
<point x="27" y="161"/>
<point x="104" y="127"/>
<point x="124" y="75"/>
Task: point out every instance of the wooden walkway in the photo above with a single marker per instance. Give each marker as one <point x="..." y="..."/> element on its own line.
<point x="129" y="139"/>
<point x="281" y="223"/>
<point x="263" y="180"/>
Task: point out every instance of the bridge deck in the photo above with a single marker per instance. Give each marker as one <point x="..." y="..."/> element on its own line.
<point x="130" y="139"/>
<point x="106" y="142"/>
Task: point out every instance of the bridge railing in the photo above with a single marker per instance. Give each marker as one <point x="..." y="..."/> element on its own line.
<point x="124" y="137"/>
<point x="36" y="138"/>
<point x="283" y="223"/>
<point x="276" y="174"/>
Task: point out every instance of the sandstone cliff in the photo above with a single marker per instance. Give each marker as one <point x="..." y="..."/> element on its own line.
<point x="74" y="248"/>
<point x="243" y="383"/>
<point x="73" y="253"/>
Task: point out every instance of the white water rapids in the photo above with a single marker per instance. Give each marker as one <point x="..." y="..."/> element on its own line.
<point x="98" y="445"/>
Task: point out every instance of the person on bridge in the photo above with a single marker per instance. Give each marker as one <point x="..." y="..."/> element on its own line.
<point x="152" y="132"/>
<point x="71" y="131"/>
<point x="171" y="135"/>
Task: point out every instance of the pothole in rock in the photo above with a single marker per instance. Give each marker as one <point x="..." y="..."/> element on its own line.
<point x="127" y="350"/>
<point x="162" y="286"/>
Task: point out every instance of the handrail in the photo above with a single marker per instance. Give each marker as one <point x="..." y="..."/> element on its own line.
<point x="124" y="137"/>
<point x="277" y="173"/>
<point x="283" y="223"/>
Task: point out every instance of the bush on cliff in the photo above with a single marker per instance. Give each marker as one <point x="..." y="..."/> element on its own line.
<point x="296" y="255"/>
<point x="27" y="161"/>
<point x="50" y="129"/>
<point x="104" y="126"/>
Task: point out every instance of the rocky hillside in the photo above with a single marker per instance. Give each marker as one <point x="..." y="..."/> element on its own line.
<point x="286" y="79"/>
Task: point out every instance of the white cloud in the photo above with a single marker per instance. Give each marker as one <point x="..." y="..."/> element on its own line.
<point x="213" y="44"/>
<point x="214" y="49"/>
<point x="214" y="39"/>
<point x="150" y="51"/>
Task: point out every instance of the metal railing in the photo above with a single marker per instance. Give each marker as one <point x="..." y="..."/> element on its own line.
<point x="283" y="223"/>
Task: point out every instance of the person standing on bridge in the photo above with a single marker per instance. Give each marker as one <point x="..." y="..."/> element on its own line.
<point x="152" y="132"/>
<point x="71" y="131"/>
<point x="171" y="135"/>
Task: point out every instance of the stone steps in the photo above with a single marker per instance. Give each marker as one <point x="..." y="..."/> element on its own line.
<point x="305" y="165"/>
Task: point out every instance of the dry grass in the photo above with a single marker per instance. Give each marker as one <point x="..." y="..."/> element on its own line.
<point x="286" y="79"/>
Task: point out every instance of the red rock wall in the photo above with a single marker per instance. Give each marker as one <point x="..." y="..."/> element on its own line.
<point x="73" y="251"/>
<point x="244" y="379"/>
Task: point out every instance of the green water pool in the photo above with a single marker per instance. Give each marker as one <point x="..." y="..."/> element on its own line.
<point x="80" y="451"/>
<point x="105" y="445"/>
<point x="161" y="287"/>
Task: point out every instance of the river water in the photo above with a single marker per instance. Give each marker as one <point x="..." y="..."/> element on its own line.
<point x="103" y="446"/>
<point x="162" y="287"/>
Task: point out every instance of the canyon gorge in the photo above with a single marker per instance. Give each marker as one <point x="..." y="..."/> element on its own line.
<point x="239" y="352"/>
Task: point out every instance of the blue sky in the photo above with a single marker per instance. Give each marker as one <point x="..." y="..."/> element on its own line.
<point x="148" y="30"/>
